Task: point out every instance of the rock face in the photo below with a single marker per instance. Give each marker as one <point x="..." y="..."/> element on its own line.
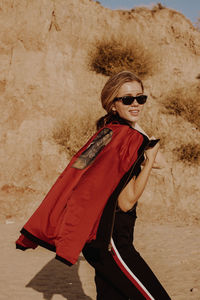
<point x="45" y="48"/>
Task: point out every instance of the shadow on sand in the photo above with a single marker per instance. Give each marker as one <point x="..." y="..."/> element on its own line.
<point x="57" y="278"/>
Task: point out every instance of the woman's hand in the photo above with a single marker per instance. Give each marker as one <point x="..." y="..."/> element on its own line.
<point x="160" y="161"/>
<point x="151" y="153"/>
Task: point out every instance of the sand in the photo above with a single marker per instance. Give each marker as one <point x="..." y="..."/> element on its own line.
<point x="171" y="250"/>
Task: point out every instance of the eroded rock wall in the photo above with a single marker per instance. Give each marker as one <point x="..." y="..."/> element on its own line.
<point x="44" y="53"/>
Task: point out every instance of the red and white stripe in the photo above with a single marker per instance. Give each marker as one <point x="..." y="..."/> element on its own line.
<point x="125" y="269"/>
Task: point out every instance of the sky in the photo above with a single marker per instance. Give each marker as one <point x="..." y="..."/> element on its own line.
<point x="190" y="8"/>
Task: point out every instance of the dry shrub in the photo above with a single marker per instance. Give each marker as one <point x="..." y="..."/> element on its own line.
<point x="73" y="132"/>
<point x="113" y="56"/>
<point x="157" y="7"/>
<point x="171" y="129"/>
<point x="188" y="153"/>
<point x="184" y="102"/>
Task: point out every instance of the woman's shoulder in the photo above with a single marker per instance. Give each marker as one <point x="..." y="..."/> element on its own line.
<point x="126" y="138"/>
<point x="123" y="132"/>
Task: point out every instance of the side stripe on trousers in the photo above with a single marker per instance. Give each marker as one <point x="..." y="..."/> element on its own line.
<point x="125" y="269"/>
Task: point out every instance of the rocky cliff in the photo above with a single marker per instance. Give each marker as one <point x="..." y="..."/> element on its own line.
<point x="46" y="79"/>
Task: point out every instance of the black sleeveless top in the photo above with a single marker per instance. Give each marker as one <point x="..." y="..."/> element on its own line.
<point x="124" y="227"/>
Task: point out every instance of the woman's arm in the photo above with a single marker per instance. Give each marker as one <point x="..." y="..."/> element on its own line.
<point x="160" y="161"/>
<point x="135" y="188"/>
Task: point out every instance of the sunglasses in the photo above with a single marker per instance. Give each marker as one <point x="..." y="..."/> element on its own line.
<point x="128" y="100"/>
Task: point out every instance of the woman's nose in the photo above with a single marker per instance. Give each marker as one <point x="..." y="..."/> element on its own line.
<point x="135" y="103"/>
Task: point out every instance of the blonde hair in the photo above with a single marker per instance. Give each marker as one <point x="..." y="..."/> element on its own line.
<point x="110" y="91"/>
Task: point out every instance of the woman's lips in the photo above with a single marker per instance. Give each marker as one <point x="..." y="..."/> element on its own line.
<point x="134" y="112"/>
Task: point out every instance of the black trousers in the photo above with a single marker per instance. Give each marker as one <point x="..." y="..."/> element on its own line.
<point x="121" y="274"/>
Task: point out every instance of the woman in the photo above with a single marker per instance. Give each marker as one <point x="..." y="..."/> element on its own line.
<point x="123" y="274"/>
<point x="92" y="205"/>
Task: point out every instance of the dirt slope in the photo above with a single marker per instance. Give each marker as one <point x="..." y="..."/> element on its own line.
<point x="44" y="54"/>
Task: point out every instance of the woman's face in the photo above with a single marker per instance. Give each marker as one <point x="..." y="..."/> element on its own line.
<point x="131" y="112"/>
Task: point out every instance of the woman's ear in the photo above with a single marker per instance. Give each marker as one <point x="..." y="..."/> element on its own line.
<point x="113" y="108"/>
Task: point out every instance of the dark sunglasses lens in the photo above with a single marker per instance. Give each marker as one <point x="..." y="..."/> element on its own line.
<point x="141" y="99"/>
<point x="128" y="100"/>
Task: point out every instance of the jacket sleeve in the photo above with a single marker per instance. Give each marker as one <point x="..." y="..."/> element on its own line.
<point x="91" y="194"/>
<point x="129" y="150"/>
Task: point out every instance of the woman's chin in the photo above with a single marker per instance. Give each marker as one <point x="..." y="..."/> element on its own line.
<point x="132" y="120"/>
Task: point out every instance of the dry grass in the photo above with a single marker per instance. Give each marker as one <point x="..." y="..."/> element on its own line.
<point x="176" y="138"/>
<point x="114" y="56"/>
<point x="184" y="102"/>
<point x="73" y="132"/>
<point x="188" y="153"/>
<point x="176" y="120"/>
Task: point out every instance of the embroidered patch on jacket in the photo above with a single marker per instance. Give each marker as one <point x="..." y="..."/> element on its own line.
<point x="96" y="146"/>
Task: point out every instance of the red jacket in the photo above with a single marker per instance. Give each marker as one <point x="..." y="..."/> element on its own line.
<point x="70" y="213"/>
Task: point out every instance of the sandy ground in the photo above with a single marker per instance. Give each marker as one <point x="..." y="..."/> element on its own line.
<point x="172" y="251"/>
